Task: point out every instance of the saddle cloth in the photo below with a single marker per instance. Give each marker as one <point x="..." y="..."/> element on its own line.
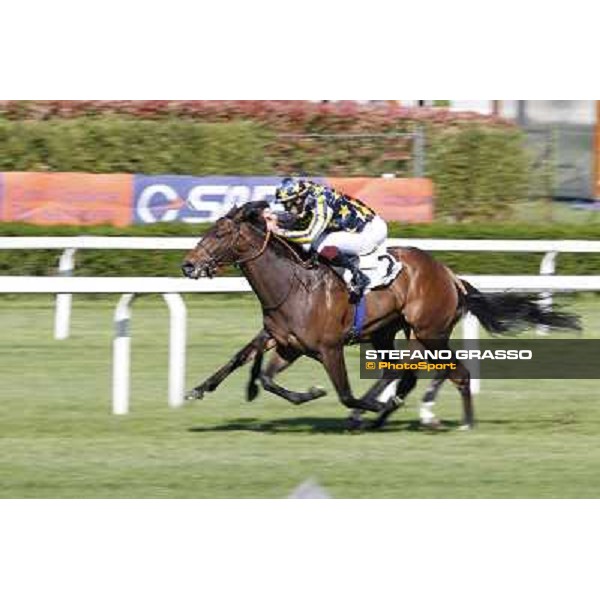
<point x="379" y="266"/>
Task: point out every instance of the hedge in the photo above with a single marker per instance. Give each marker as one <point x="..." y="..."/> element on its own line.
<point x="124" y="145"/>
<point x="167" y="263"/>
<point x="480" y="173"/>
<point x="366" y="140"/>
<point x="477" y="163"/>
<point x="282" y="115"/>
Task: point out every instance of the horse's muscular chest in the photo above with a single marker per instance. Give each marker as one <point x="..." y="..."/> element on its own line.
<point x="310" y="320"/>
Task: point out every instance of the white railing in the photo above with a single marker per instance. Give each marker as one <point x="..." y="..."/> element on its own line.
<point x="180" y="285"/>
<point x="171" y="289"/>
<point x="64" y="287"/>
<point x="120" y="285"/>
<point x="69" y="245"/>
<point x="90" y="242"/>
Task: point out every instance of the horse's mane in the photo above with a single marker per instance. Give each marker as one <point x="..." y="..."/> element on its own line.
<point x="251" y="212"/>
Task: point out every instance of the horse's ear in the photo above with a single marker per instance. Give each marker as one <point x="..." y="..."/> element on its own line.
<point x="252" y="211"/>
<point x="233" y="212"/>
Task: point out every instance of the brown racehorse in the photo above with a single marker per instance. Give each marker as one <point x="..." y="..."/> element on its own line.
<point x="307" y="312"/>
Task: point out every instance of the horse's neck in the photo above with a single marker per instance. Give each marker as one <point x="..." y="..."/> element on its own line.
<point x="271" y="275"/>
<point x="292" y="294"/>
<point x="268" y="275"/>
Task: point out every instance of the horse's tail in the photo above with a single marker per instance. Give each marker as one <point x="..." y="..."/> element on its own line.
<point x="509" y="311"/>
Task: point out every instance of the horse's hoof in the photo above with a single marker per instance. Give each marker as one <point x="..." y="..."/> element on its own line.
<point x="399" y="402"/>
<point x="355" y="425"/>
<point x="382" y="417"/>
<point x="253" y="390"/>
<point x="195" y="394"/>
<point x="432" y="425"/>
<point x="379" y="422"/>
<point x="465" y="427"/>
<point x="317" y="391"/>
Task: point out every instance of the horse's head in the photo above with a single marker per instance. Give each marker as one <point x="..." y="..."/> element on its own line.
<point x="234" y="238"/>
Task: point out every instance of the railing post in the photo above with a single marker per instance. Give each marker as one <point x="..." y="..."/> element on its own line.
<point x="547" y="267"/>
<point x="62" y="316"/>
<point x="122" y="356"/>
<point x="471" y="333"/>
<point x="418" y="152"/>
<point x="177" y="348"/>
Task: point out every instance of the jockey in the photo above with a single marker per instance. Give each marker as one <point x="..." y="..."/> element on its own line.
<point x="340" y="228"/>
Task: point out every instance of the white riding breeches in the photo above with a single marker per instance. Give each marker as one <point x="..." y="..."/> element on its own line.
<point x="371" y="237"/>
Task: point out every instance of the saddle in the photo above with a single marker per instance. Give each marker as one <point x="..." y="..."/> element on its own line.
<point x="379" y="266"/>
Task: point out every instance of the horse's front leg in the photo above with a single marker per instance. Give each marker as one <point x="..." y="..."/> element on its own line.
<point x="335" y="364"/>
<point x="259" y="344"/>
<point x="280" y="361"/>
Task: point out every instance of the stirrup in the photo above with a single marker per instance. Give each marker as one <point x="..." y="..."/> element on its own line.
<point x="358" y="291"/>
<point x="313" y="260"/>
<point x="360" y="281"/>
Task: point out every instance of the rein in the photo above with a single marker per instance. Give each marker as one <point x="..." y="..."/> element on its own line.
<point x="227" y="257"/>
<point x="293" y="277"/>
<point x="307" y="264"/>
<point x="241" y="261"/>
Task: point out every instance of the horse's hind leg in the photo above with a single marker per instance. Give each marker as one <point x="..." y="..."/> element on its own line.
<point x="404" y="387"/>
<point x="257" y="345"/>
<point x="461" y="378"/>
<point x="427" y="417"/>
<point x="280" y="361"/>
<point x="398" y="389"/>
<point x="426" y="414"/>
<point x="406" y="384"/>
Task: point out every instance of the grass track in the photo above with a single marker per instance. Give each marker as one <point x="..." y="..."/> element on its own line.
<point x="59" y="440"/>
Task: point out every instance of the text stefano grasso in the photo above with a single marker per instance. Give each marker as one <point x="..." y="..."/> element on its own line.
<point x="416" y="354"/>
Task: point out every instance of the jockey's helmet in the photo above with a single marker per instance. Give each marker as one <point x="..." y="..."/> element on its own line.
<point x="291" y="192"/>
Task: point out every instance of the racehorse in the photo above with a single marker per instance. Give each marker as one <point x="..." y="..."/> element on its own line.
<point x="307" y="311"/>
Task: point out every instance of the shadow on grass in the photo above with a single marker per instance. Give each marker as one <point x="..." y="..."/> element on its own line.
<point x="319" y="425"/>
<point x="329" y="425"/>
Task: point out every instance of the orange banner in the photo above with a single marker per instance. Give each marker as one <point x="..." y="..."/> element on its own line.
<point x="67" y="198"/>
<point x="408" y="200"/>
<point x="120" y="199"/>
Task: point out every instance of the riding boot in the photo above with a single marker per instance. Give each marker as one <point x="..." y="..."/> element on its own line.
<point x="360" y="281"/>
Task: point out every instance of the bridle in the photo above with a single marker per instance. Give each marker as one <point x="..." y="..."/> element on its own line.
<point x="228" y="255"/>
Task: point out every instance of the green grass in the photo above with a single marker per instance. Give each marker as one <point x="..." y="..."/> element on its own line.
<point x="58" y="438"/>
